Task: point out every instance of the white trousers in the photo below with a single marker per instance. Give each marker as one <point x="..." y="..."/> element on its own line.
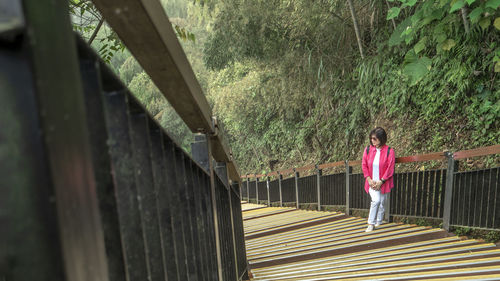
<point x="376" y="207"/>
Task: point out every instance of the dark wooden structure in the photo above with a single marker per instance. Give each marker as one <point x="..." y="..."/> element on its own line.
<point x="92" y="188"/>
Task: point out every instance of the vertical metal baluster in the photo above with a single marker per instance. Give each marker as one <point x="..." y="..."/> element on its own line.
<point x="450" y="173"/>
<point x="319" y="172"/>
<point x="163" y="201"/>
<point x="280" y="179"/>
<point x="177" y="216"/>
<point x="126" y="191"/>
<point x="139" y="136"/>
<point x="268" y="195"/>
<point x="348" y="171"/>
<point x="296" y="175"/>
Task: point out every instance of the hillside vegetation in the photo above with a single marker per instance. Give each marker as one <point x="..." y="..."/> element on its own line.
<point x="293" y="84"/>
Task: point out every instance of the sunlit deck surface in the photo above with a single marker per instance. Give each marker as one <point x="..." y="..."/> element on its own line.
<point x="291" y="244"/>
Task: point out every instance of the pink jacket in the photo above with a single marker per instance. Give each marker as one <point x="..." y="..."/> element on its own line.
<point x="386" y="169"/>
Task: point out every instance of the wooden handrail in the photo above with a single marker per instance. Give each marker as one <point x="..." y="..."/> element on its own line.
<point x="305" y="168"/>
<point x="331" y="165"/>
<point x="421" y="158"/>
<point x="482" y="151"/>
<point x="145" y="29"/>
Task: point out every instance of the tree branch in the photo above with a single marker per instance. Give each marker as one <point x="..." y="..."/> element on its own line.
<point x="96" y="30"/>
<point x="465" y="13"/>
<point x="393" y="21"/>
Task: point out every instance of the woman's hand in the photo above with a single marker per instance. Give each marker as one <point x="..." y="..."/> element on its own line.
<point x="370" y="182"/>
<point x="377" y="185"/>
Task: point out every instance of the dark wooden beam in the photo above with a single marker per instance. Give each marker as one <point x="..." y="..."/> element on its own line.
<point x="145" y="29"/>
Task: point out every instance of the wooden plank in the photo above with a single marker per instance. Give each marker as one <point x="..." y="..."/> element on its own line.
<point x="355" y="163"/>
<point x="147" y="32"/>
<point x="420" y="158"/>
<point x="305" y="168"/>
<point x="331" y="165"/>
<point x="482" y="151"/>
<point x="144" y="23"/>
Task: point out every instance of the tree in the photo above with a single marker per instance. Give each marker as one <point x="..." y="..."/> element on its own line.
<point x="356" y="28"/>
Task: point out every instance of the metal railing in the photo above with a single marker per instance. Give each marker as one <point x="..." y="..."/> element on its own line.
<point x="92" y="188"/>
<point x="466" y="198"/>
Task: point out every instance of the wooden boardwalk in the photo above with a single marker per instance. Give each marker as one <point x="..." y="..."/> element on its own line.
<point x="291" y="244"/>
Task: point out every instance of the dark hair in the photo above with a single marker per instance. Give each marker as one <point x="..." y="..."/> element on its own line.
<point x="381" y="135"/>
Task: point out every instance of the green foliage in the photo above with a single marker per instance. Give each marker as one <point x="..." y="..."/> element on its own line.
<point x="286" y="79"/>
<point x="493" y="236"/>
<point x="446" y="25"/>
<point x="462" y="231"/>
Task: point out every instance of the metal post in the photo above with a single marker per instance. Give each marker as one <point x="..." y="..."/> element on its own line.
<point x="448" y="192"/>
<point x="67" y="150"/>
<point x="199" y="151"/>
<point x="319" y="173"/>
<point x="268" y="197"/>
<point x="257" y="189"/>
<point x="296" y="186"/>
<point x="387" y="207"/>
<point x="248" y="189"/>
<point x="215" y="213"/>
<point x="221" y="170"/>
<point x="280" y="178"/>
<point x="348" y="171"/>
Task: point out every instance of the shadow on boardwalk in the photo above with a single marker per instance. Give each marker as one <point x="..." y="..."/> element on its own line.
<point x="291" y="244"/>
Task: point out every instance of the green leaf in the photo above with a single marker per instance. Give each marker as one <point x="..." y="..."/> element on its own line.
<point x="393" y="13"/>
<point x="410" y="3"/>
<point x="410" y="57"/>
<point x="492" y="4"/>
<point x="420" y="45"/>
<point x="439" y="33"/>
<point x="497" y="23"/>
<point x="417" y="69"/>
<point x="470" y="2"/>
<point x="476" y="14"/>
<point x="457" y="5"/>
<point x="485" y="23"/>
<point x="448" y="44"/>
<point x="396" y="38"/>
<point x="497" y="66"/>
<point x="440" y="37"/>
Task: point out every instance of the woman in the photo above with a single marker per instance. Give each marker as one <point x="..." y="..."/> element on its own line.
<point x="378" y="168"/>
